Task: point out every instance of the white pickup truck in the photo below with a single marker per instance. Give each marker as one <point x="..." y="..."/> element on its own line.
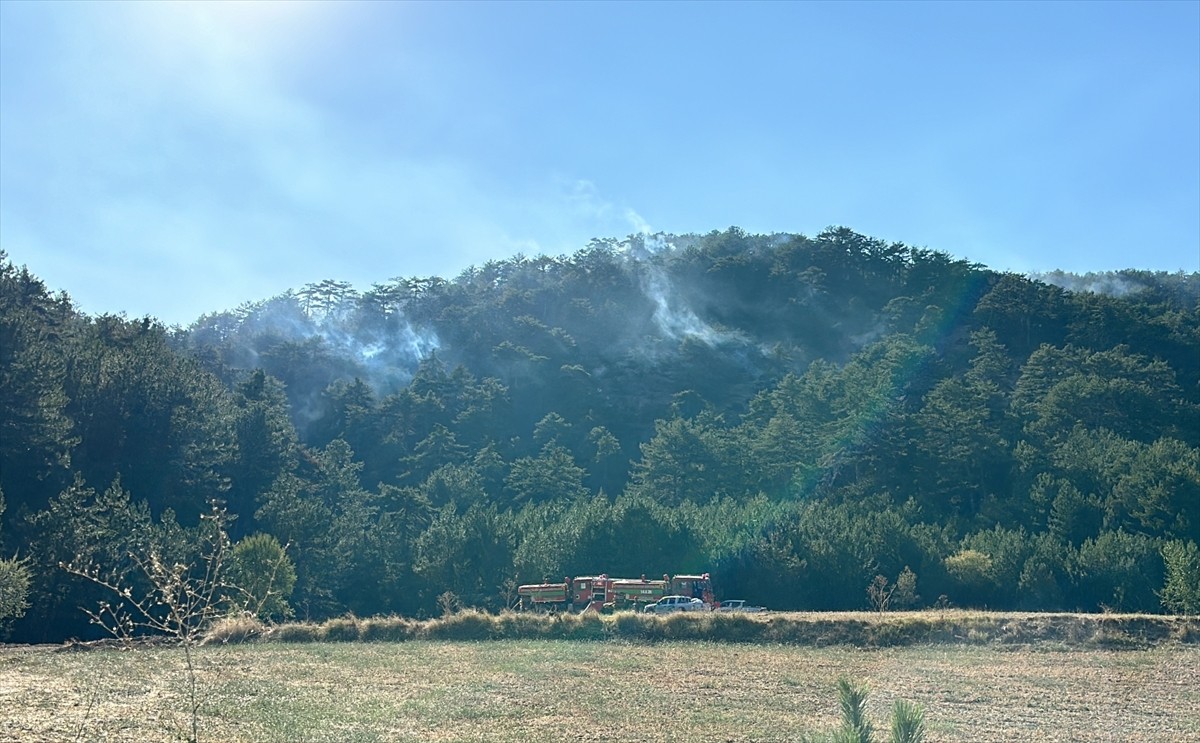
<point x="669" y="604"/>
<point x="737" y="605"/>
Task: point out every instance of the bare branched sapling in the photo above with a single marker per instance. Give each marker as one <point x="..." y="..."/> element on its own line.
<point x="179" y="599"/>
<point x="879" y="593"/>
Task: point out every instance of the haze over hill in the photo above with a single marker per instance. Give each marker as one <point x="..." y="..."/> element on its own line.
<point x="383" y="333"/>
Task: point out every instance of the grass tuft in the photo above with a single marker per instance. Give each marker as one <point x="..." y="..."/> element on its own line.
<point x="342" y="629"/>
<point x="388" y="629"/>
<point x="737" y="628"/>
<point x="630" y="625"/>
<point x="234" y="630"/>
<point x="585" y="626"/>
<point x="295" y="632"/>
<point x="469" y="624"/>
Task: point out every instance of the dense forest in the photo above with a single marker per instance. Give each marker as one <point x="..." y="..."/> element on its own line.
<point x="795" y="415"/>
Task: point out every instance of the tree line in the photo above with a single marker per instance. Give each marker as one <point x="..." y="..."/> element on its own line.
<point x="795" y="415"/>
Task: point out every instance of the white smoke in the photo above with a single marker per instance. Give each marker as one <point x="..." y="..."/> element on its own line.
<point x="388" y="355"/>
<point x="640" y="226"/>
<point x="1111" y="284"/>
<point x="384" y="349"/>
<point x="674" y="319"/>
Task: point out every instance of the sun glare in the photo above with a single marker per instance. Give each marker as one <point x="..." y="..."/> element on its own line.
<point x="254" y="29"/>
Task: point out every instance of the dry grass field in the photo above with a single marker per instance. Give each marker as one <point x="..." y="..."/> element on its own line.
<point x="535" y="690"/>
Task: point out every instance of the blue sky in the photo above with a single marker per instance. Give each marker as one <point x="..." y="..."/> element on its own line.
<point x="177" y="158"/>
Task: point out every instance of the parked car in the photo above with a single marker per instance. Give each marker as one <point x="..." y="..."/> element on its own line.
<point x="668" y="604"/>
<point x="737" y="605"/>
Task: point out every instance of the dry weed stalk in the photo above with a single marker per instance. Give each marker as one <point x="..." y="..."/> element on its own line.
<point x="181" y="601"/>
<point x="879" y="593"/>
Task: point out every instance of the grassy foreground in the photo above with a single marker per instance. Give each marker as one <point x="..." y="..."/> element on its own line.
<point x="518" y="690"/>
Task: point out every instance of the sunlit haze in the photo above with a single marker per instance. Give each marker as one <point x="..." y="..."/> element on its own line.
<point x="173" y="159"/>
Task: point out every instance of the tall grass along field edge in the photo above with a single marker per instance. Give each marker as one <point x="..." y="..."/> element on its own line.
<point x="812" y="629"/>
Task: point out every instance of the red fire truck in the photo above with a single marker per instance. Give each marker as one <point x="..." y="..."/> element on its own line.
<point x="600" y="592"/>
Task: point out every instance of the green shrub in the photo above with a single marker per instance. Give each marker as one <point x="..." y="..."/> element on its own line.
<point x="905" y="595"/>
<point x="1181" y="586"/>
<point x="1117" y="571"/>
<point x="14" y="588"/>
<point x="263" y="577"/>
<point x="972" y="571"/>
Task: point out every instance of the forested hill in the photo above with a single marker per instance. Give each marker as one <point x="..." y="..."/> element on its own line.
<point x="794" y="415"/>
